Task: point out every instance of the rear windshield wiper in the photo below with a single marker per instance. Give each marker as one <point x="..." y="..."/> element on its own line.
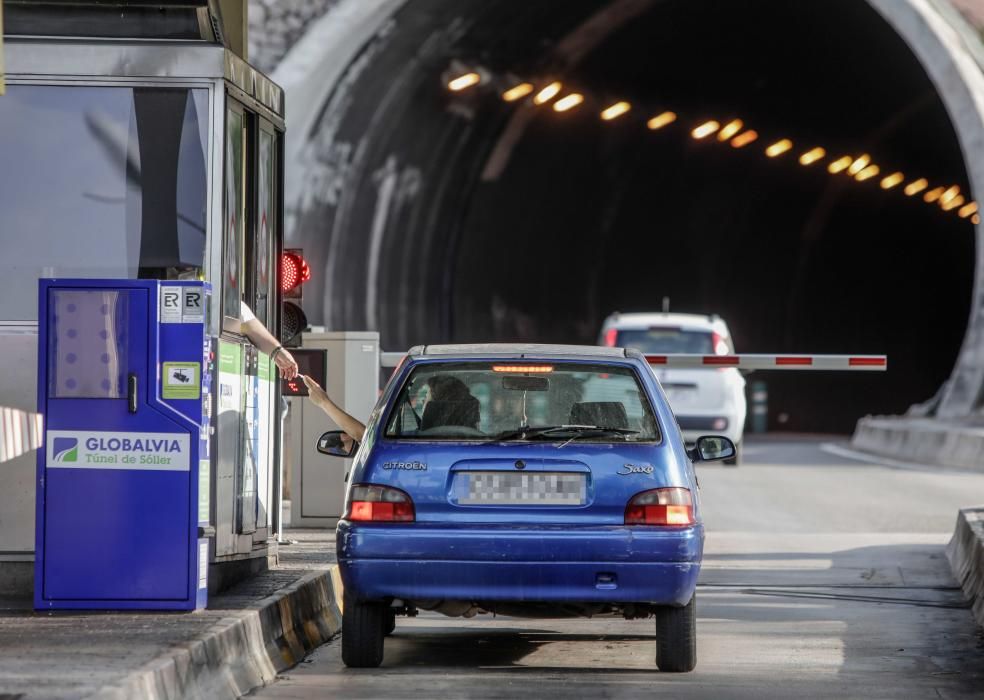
<point x="546" y="430"/>
<point x="595" y="431"/>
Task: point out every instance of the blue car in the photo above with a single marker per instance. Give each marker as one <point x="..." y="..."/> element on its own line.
<point x="523" y="480"/>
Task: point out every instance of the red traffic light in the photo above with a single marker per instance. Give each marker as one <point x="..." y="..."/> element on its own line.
<point x="294" y="271"/>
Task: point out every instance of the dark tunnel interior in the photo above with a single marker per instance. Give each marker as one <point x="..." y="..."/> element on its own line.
<point x="461" y="217"/>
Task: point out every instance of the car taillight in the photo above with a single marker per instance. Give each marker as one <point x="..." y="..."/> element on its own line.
<point x="611" y="337"/>
<point x="719" y="344"/>
<point x="667" y="506"/>
<point x="379" y="504"/>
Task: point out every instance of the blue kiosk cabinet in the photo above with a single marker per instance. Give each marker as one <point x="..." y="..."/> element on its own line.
<point x="123" y="476"/>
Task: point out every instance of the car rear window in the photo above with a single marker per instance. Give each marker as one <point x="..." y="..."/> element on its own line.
<point x="667" y="340"/>
<point x="519" y="400"/>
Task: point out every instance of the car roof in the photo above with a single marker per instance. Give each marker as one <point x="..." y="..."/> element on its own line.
<point x="646" y="320"/>
<point x="521" y="350"/>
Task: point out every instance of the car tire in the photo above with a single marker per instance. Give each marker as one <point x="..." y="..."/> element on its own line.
<point x="363" y="631"/>
<point x="676" y="638"/>
<point x="389" y="623"/>
<point x="736" y="460"/>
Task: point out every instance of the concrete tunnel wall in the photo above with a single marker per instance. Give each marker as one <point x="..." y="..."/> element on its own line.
<point x="354" y="202"/>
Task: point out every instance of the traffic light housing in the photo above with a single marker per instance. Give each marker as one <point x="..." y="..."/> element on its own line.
<point x="294" y="272"/>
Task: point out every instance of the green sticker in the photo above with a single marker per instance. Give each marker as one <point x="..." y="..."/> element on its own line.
<point x="230" y="357"/>
<point x="182" y="380"/>
<point x="204" y="489"/>
<point x="263" y="367"/>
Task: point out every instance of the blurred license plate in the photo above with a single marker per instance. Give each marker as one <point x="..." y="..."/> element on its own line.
<point x="521" y="488"/>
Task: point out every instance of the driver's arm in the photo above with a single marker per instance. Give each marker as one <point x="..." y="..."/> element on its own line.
<point x="352" y="426"/>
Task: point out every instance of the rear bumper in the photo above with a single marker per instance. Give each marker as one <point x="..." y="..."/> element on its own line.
<point x="603" y="565"/>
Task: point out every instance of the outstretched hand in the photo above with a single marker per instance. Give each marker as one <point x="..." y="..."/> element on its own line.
<point x="315" y="392"/>
<point x="286" y="364"/>
<point x="353" y="427"/>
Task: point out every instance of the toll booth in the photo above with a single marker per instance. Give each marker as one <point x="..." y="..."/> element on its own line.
<point x="176" y="155"/>
<point x="347" y="365"/>
<point x="123" y="482"/>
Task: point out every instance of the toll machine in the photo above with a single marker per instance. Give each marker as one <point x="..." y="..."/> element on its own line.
<point x="176" y="175"/>
<point x="123" y="491"/>
<point x="346" y="363"/>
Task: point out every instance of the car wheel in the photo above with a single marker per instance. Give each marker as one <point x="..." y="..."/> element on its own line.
<point x="363" y="630"/>
<point x="676" y="637"/>
<point x="736" y="460"/>
<point x="389" y="622"/>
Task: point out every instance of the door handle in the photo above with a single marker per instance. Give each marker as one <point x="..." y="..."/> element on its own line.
<point x="131" y="392"/>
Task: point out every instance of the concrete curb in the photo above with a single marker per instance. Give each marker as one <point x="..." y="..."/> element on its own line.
<point x="966" y="554"/>
<point x="245" y="650"/>
<point x="922" y="440"/>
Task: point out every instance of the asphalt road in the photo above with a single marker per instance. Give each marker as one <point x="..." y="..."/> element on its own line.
<point x="823" y="577"/>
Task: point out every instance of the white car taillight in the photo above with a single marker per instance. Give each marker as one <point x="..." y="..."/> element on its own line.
<point x="667" y="506"/>
<point x="717" y="342"/>
<point x="379" y="504"/>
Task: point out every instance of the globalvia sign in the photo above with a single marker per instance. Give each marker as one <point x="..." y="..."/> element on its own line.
<point x="74" y="449"/>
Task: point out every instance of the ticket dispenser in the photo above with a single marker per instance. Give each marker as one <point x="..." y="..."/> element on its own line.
<point x="123" y="475"/>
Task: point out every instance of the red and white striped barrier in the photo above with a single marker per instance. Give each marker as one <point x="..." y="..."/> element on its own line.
<point x="860" y="363"/>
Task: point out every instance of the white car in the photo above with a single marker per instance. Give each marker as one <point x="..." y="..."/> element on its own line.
<point x="704" y="400"/>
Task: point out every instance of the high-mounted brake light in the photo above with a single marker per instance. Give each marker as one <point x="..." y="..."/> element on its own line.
<point x="611" y="337"/>
<point x="379" y="504"/>
<point x="667" y="506"/>
<point x="523" y="368"/>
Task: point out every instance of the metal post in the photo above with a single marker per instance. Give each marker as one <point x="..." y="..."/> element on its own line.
<point x="760" y="407"/>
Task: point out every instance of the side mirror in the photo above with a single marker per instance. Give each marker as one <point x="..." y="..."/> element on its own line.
<point x="337" y="443"/>
<point x="713" y="447"/>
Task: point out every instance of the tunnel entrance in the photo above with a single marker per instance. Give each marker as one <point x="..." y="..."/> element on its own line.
<point x="459" y="216"/>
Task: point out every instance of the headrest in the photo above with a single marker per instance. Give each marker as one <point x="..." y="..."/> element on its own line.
<point x="604" y="414"/>
<point x="438" y="413"/>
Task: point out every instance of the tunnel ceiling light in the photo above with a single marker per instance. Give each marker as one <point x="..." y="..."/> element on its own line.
<point x="890" y="181"/>
<point x="730" y="129"/>
<point x="518" y="92"/>
<point x="949" y="195"/>
<point x="615" y="111"/>
<point x="778" y="148"/>
<point x="568" y="102"/>
<point x="744" y="138"/>
<point x="547" y="93"/>
<point x="661" y="120"/>
<point x="464" y="81"/>
<point x="967" y="209"/>
<point x="916" y="186"/>
<point x="867" y="173"/>
<point x="860" y="167"/>
<point x="705" y="129"/>
<point x="859" y="164"/>
<point x="812" y="156"/>
<point x="953" y="203"/>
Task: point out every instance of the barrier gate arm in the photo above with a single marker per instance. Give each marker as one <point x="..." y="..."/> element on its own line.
<point x="858" y="363"/>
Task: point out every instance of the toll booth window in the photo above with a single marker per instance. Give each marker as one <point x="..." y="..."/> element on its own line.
<point x="233" y="220"/>
<point x="266" y="223"/>
<point x="112" y="185"/>
<point x="87" y="356"/>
